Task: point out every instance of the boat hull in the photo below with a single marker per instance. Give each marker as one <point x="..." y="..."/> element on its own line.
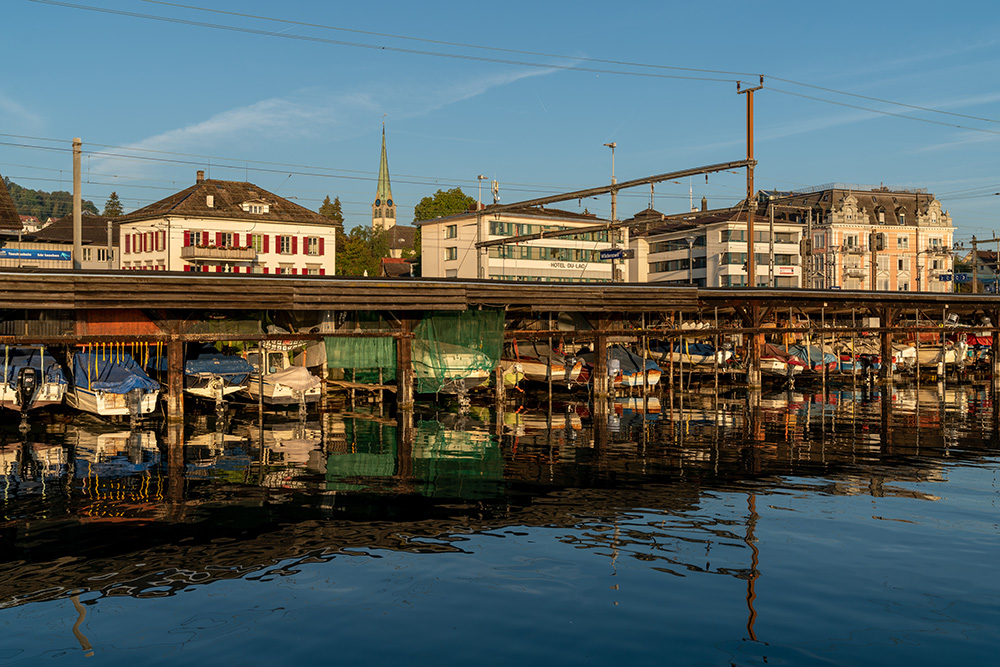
<point x="107" y="404"/>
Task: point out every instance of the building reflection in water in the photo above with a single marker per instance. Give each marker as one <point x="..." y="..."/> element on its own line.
<point x="103" y="512"/>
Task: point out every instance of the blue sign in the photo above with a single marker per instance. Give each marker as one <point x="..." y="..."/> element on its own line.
<point x="946" y="278"/>
<point x="32" y="253"/>
<point x="614" y="253"/>
<point x="963" y="277"/>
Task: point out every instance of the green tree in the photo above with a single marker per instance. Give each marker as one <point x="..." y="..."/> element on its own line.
<point x="333" y="211"/>
<point x="44" y="205"/>
<point x="113" y="207"/>
<point x="442" y="203"/>
<point x="362" y="251"/>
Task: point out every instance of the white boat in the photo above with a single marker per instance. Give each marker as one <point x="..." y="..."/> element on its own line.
<point x="447" y="368"/>
<point x="32" y="378"/>
<point x="282" y="383"/>
<point x="110" y="383"/>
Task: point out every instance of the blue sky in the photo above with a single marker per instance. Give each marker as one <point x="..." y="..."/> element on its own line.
<point x="285" y="106"/>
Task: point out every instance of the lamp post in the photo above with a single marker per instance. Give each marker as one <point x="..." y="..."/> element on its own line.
<point x="481" y="179"/>
<point x="480" y="269"/>
<point x="690" y="242"/>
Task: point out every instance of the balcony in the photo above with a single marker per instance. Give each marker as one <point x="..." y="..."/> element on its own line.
<point x="854" y="273"/>
<point x="196" y="253"/>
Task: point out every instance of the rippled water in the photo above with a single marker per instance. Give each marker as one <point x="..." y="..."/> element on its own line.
<point x="849" y="528"/>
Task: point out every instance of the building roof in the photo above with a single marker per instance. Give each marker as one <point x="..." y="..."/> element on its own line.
<point x="401" y="237"/>
<point x="896" y="204"/>
<point x="526" y="212"/>
<point x="227" y="201"/>
<point x="383" y="192"/>
<point x="94" y="230"/>
<point x="9" y="219"/>
<point x="394" y="267"/>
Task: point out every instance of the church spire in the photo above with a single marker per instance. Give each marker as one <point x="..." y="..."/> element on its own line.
<point x="383" y="209"/>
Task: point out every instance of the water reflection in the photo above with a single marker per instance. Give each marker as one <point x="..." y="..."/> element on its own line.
<point x="677" y="484"/>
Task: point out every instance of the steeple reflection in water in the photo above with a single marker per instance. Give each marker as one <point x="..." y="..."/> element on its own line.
<point x="844" y="526"/>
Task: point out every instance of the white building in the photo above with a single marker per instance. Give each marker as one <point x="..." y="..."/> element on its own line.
<point x="51" y="247"/>
<point x="448" y="247"/>
<point x="709" y="249"/>
<point x="227" y="226"/>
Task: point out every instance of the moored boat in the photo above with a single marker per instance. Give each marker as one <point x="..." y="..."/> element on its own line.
<point x="32" y="378"/>
<point x="110" y="383"/>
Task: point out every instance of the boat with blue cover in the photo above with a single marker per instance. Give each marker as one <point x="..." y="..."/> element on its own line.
<point x="109" y="382"/>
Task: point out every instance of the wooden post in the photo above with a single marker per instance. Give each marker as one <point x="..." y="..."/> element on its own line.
<point x="404" y="367"/>
<point x="601" y="379"/>
<point x="995" y="350"/>
<point x="175" y="381"/>
<point x="888" y="322"/>
<point x="753" y="348"/>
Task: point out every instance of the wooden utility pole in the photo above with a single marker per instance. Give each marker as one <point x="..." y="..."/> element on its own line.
<point x="751" y="203"/>
<point x="77" y="206"/>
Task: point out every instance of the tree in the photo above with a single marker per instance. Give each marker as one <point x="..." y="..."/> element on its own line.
<point x="362" y="251"/>
<point x="44" y="205"/>
<point x="442" y="203"/>
<point x="113" y="207"/>
<point x="333" y="211"/>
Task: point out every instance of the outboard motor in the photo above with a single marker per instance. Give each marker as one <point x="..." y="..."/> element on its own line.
<point x="133" y="399"/>
<point x="27" y="386"/>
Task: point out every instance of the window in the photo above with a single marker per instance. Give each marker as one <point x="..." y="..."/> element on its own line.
<point x="451" y="253"/>
<point x="86" y="254"/>
<point x="903" y="242"/>
<point x="257" y="242"/>
<point x="850" y="240"/>
<point x="934" y="265"/>
<point x="935" y="242"/>
<point x="902" y="264"/>
<point x="882" y="262"/>
<point x="255" y="208"/>
<point x="451" y="231"/>
<point x="904" y="287"/>
<point x="312" y="245"/>
<point x="285" y="245"/>
<point x="225" y="240"/>
<point x="102" y="254"/>
<point x="819" y="240"/>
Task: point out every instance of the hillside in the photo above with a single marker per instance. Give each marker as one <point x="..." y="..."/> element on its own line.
<point x="44" y="205"/>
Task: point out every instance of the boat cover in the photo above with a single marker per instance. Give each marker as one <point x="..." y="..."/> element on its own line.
<point x="690" y="348"/>
<point x="16" y="358"/>
<point x="295" y="378"/>
<point x="112" y="371"/>
<point x="206" y="359"/>
<point x="629" y="362"/>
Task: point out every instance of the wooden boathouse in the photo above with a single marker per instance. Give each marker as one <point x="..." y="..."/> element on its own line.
<point x="65" y="308"/>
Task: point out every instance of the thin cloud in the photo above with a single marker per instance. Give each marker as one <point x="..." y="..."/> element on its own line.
<point x="18" y="113"/>
<point x="311" y="114"/>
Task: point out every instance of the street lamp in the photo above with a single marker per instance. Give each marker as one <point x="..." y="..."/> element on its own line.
<point x="481" y="179"/>
<point x="690" y="242"/>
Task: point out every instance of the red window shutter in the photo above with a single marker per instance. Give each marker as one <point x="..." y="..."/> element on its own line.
<point x="187" y="239"/>
<point x="295" y="245"/>
<point x="218" y="239"/>
<point x="322" y="272"/>
<point x="265" y="270"/>
<point x="321" y="245"/>
<point x="218" y="268"/>
<point x="265" y="243"/>
<point x="204" y="268"/>
<point x="128" y="243"/>
<point x="236" y="239"/>
<point x="277" y="243"/>
<point x="187" y="267"/>
<point x="204" y="238"/>
<point x="294" y="270"/>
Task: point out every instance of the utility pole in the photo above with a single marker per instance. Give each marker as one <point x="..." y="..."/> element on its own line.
<point x="871" y="247"/>
<point x="77" y="206"/>
<point x="614" y="211"/>
<point x="751" y="203"/>
<point x="975" y="265"/>
<point x="480" y="271"/>
<point x="770" y="249"/>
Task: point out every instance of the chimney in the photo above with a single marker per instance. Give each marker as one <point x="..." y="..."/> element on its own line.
<point x="704" y="204"/>
<point x="200" y="177"/>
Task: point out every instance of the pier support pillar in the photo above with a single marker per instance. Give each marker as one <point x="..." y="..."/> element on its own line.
<point x="175" y="381"/>
<point x="752" y="318"/>
<point x="885" y="373"/>
<point x="995" y="349"/>
<point x="404" y="366"/>
<point x="601" y="380"/>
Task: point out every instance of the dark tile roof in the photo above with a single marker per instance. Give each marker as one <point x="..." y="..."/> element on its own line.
<point x="9" y="219"/>
<point x="393" y="267"/>
<point x="94" y="230"/>
<point x="402" y="237"/>
<point x="228" y="197"/>
<point x="892" y="202"/>
<point x="529" y="211"/>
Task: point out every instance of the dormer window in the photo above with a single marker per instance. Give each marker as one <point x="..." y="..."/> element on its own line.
<point x="256" y="207"/>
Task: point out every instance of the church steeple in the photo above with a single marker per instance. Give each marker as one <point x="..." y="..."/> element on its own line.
<point x="383" y="209"/>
